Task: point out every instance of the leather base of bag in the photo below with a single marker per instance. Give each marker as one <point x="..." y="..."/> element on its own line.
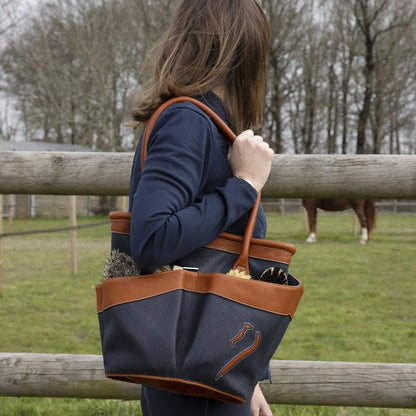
<point x="192" y="333"/>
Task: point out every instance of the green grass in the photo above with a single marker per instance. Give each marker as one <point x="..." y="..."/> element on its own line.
<point x="358" y="303"/>
<point x="359" y="300"/>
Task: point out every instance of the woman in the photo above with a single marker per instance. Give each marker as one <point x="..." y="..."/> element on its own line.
<point x="193" y="186"/>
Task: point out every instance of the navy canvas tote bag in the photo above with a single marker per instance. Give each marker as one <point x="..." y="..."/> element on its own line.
<point x="198" y="330"/>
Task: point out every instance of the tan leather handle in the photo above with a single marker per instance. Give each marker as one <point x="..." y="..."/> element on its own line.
<point x="242" y="261"/>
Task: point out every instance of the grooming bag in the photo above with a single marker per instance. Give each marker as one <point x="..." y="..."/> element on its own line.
<point x="196" y="330"/>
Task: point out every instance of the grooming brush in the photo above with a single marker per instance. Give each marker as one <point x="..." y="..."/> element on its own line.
<point x="274" y="275"/>
<point x="120" y="264"/>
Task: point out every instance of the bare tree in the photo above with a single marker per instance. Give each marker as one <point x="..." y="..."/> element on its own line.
<point x="313" y="71"/>
<point x="348" y="69"/>
<point x="400" y="93"/>
<point x="377" y="20"/>
<point x="332" y="108"/>
<point x="72" y="87"/>
<point x="286" y="19"/>
<point x="7" y="16"/>
<point x="88" y="57"/>
<point x="341" y="59"/>
<point x="394" y="55"/>
<point x="154" y="15"/>
<point x="8" y="21"/>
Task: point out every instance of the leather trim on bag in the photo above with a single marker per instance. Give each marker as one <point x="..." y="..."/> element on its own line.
<point x="231" y="243"/>
<point x="180" y="386"/>
<point x="120" y="222"/>
<point x="261" y="249"/>
<point x="270" y="297"/>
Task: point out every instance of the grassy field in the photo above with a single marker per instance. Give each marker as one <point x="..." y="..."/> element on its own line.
<point x="358" y="303"/>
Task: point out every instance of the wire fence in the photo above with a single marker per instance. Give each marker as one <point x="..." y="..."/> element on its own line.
<point x="53" y="230"/>
<point x="293" y="206"/>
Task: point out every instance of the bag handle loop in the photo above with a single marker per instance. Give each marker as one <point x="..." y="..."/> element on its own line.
<point x="242" y="261"/>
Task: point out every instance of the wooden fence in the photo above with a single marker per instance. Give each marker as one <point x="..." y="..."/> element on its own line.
<point x="293" y="176"/>
<point x="294" y="382"/>
<point x="296" y="176"/>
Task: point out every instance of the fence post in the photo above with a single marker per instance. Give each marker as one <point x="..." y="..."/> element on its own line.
<point x="73" y="232"/>
<point x="11" y="208"/>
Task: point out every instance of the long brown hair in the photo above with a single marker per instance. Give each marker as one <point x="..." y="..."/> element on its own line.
<point x="211" y="45"/>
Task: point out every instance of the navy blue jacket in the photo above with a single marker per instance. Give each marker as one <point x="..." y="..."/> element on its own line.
<point x="186" y="195"/>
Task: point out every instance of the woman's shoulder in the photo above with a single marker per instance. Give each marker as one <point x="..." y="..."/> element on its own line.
<point x="186" y="121"/>
<point x="189" y="111"/>
<point x="184" y="117"/>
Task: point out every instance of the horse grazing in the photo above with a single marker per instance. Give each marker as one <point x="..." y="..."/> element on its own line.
<point x="364" y="208"/>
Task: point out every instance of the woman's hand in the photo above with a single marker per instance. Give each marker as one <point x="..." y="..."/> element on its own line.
<point x="250" y="158"/>
<point x="259" y="406"/>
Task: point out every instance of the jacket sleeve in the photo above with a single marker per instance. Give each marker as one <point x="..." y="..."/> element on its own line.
<point x="265" y="374"/>
<point x="172" y="213"/>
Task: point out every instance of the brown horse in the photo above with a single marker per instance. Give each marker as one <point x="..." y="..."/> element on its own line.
<point x="364" y="208"/>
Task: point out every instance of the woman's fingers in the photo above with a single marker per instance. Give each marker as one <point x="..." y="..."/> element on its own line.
<point x="250" y="158"/>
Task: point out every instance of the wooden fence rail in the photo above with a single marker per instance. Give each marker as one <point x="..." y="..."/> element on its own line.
<point x="293" y="176"/>
<point x="294" y="382"/>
